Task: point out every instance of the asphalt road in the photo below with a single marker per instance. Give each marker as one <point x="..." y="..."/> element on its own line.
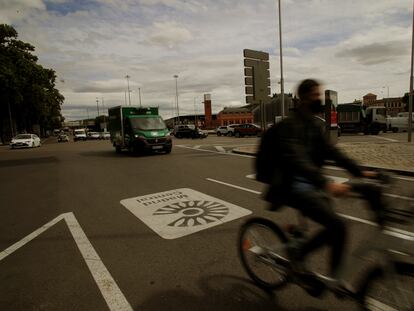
<point x="71" y="244"/>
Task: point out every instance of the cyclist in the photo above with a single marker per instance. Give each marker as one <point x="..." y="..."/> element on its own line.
<point x="302" y="148"/>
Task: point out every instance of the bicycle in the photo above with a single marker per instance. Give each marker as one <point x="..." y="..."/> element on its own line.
<point x="388" y="285"/>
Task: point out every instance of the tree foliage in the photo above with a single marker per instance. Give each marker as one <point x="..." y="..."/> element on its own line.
<point x="28" y="96"/>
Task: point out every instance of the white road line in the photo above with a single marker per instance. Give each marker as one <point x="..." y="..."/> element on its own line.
<point x="211" y="151"/>
<point x="399" y="197"/>
<point x="336" y="179"/>
<point x="11" y="249"/>
<point x="334" y="168"/>
<point x="380" y="137"/>
<point x="113" y="296"/>
<point x="234" y="186"/>
<point x="197" y="147"/>
<point x="220" y="149"/>
<point x="402" y="234"/>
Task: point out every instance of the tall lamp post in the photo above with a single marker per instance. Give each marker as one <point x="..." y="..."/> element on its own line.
<point x="176" y="98"/>
<point x="139" y="92"/>
<point x="281" y="62"/>
<point x="97" y="105"/>
<point x="410" y="101"/>
<point x="129" y="94"/>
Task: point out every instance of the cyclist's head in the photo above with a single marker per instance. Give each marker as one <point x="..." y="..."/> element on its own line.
<point x="308" y="88"/>
<point x="309" y="92"/>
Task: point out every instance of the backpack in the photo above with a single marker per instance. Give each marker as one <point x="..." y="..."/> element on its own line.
<point x="266" y="157"/>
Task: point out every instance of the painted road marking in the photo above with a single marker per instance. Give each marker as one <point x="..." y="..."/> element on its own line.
<point x="113" y="296"/>
<point x="220" y="149"/>
<point x="335" y="168"/>
<point x="339" y="180"/>
<point x="388" y="139"/>
<point x="176" y="213"/>
<point x="197" y="147"/>
<point x="402" y="234"/>
<point x="233" y="186"/>
<point x="211" y="151"/>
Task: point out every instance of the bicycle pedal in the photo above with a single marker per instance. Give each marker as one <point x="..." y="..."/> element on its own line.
<point x="257" y="250"/>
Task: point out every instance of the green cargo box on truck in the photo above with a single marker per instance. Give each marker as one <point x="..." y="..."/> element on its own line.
<point x="138" y="129"/>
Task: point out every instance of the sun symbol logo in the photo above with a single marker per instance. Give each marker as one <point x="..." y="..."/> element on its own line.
<point x="194" y="213"/>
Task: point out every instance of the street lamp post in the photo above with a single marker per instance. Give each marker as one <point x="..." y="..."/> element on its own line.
<point x="97" y="105"/>
<point x="410" y="101"/>
<point x="129" y="94"/>
<point x="176" y="97"/>
<point x="281" y="63"/>
<point x="139" y="91"/>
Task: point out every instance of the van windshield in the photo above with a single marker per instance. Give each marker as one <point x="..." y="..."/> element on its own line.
<point x="148" y="124"/>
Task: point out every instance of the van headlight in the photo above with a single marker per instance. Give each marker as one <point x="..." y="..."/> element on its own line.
<point x="139" y="136"/>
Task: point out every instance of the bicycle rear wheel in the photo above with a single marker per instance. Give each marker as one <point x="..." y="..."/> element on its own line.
<point x="389" y="290"/>
<point x="262" y="250"/>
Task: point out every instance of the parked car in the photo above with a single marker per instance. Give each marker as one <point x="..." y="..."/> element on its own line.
<point x="25" y="140"/>
<point x="184" y="131"/>
<point x="221" y="130"/>
<point x="63" y="138"/>
<point x="247" y="129"/>
<point x="230" y="129"/>
<point x="93" y="135"/>
<point x="104" y="135"/>
<point x="200" y="134"/>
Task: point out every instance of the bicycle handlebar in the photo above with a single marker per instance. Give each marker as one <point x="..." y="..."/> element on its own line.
<point x="371" y="189"/>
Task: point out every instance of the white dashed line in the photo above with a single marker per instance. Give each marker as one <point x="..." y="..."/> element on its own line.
<point x="220" y="149"/>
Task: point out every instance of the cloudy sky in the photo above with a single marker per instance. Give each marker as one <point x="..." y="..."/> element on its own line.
<point x="353" y="46"/>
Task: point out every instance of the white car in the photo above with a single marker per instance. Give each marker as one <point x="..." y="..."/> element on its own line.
<point x="230" y="129"/>
<point x="221" y="130"/>
<point x="25" y="141"/>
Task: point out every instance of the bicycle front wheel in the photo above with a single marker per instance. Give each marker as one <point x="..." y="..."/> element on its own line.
<point x="390" y="288"/>
<point x="262" y="250"/>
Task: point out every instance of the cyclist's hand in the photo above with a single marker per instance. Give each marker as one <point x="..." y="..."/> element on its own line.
<point x="369" y="174"/>
<point x="337" y="189"/>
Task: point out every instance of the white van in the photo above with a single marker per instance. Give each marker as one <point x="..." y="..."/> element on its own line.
<point x="79" y="134"/>
<point x="398" y="123"/>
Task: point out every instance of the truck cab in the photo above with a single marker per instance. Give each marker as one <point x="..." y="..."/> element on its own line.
<point x="138" y="129"/>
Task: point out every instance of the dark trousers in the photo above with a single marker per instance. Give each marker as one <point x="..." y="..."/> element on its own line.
<point x="317" y="205"/>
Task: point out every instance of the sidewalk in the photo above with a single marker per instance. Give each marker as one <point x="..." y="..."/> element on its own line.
<point x="396" y="157"/>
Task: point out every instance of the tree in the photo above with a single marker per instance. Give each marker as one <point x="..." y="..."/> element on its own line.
<point x="28" y="97"/>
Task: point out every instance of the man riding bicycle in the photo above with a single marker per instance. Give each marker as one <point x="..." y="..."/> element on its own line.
<point x="302" y="149"/>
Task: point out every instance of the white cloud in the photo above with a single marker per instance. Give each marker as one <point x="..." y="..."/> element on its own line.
<point x="14" y="10"/>
<point x="169" y="34"/>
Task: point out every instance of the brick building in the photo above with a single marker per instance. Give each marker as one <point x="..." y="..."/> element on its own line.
<point x="234" y="116"/>
<point x="394" y="105"/>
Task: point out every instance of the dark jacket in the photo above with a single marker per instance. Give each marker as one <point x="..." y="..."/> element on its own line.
<point x="301" y="149"/>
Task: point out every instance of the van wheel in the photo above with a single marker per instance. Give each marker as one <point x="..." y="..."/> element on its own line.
<point x="218" y="134"/>
<point x="394" y="129"/>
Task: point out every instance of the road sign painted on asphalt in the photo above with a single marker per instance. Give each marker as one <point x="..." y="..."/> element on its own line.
<point x="180" y="212"/>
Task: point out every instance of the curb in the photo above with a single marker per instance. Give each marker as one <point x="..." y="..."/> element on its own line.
<point x="366" y="167"/>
